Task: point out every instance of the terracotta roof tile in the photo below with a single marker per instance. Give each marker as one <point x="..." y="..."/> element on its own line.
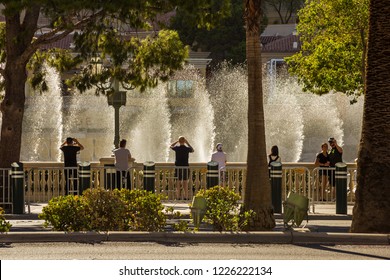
<point x="264" y="40"/>
<point x="288" y="43"/>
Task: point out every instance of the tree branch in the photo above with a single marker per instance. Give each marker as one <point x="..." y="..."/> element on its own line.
<point x="57" y="34"/>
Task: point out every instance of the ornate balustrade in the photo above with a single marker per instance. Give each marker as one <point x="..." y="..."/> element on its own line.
<point x="45" y="180"/>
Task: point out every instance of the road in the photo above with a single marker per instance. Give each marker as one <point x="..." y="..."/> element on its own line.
<point x="173" y="251"/>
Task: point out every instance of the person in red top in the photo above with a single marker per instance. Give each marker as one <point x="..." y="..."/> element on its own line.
<point x="182" y="150"/>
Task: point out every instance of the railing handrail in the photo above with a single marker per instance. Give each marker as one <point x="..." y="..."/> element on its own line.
<point x="301" y="177"/>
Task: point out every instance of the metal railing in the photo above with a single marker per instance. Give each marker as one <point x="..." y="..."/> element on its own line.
<point x="42" y="182"/>
<point x="5" y="189"/>
<point x="323" y="186"/>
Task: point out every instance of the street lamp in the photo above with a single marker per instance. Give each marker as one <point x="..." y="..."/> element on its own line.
<point x="115" y="97"/>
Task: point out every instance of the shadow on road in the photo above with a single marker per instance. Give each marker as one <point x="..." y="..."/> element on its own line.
<point x="341" y="251"/>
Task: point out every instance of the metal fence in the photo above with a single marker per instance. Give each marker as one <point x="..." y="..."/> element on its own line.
<point x="323" y="186"/>
<point x="43" y="183"/>
<point x="5" y="189"/>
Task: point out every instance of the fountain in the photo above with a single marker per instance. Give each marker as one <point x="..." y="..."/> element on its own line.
<point x="43" y="121"/>
<point x="295" y="121"/>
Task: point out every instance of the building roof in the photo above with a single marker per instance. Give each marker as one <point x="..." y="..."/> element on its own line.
<point x="286" y="44"/>
<point x="264" y="40"/>
<point x="279" y="29"/>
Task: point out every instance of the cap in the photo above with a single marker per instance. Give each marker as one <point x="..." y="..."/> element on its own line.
<point x="331" y="139"/>
<point x="218" y="146"/>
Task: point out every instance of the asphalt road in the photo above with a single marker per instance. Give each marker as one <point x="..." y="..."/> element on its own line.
<point x="176" y="251"/>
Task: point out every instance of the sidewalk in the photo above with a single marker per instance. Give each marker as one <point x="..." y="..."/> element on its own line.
<point x="323" y="227"/>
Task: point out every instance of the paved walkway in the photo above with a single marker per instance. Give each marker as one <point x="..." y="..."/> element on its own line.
<point x="323" y="226"/>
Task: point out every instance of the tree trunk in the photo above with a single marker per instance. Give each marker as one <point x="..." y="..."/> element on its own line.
<point x="257" y="195"/>
<point x="12" y="109"/>
<point x="18" y="38"/>
<point x="371" y="212"/>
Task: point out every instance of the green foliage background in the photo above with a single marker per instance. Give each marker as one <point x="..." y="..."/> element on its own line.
<point x="334" y="40"/>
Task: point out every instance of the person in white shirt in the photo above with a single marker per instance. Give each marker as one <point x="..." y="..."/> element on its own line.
<point x="220" y="157"/>
<point x="122" y="158"/>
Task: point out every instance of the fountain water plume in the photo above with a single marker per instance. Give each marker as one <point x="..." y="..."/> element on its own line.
<point x="147" y="125"/>
<point x="89" y="119"/>
<point x="297" y="122"/>
<point x="192" y="113"/>
<point x="283" y="119"/>
<point x="42" y="124"/>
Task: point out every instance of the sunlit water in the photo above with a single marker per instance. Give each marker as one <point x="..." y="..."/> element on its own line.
<point x="295" y="121"/>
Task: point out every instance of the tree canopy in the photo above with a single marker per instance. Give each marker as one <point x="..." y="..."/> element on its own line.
<point x="109" y="35"/>
<point x="226" y="41"/>
<point x="334" y="39"/>
<point x="106" y="32"/>
<point x="284" y="8"/>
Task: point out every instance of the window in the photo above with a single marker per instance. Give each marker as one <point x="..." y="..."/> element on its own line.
<point x="180" y="88"/>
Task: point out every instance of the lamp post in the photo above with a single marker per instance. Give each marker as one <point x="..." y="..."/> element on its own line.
<point x="117" y="99"/>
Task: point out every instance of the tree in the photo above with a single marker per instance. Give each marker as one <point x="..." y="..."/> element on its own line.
<point x="334" y="38"/>
<point x="99" y="28"/>
<point x="371" y="212"/>
<point x="285" y="8"/>
<point x="226" y="41"/>
<point x="257" y="195"/>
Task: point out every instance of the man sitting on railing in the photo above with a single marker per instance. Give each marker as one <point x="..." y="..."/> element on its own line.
<point x="181" y="162"/>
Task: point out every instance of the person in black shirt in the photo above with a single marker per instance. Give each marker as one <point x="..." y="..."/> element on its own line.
<point x="181" y="162"/>
<point x="322" y="161"/>
<point x="70" y="148"/>
<point x="335" y="155"/>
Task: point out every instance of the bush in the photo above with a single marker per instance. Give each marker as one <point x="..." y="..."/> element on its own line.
<point x="4" y="225"/>
<point x="102" y="210"/>
<point x="64" y="213"/>
<point x="144" y="210"/>
<point x="223" y="209"/>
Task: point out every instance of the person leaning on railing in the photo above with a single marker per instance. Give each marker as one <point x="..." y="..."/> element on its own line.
<point x="122" y="158"/>
<point x="70" y="148"/>
<point x="335" y="155"/>
<point x="182" y="149"/>
<point x="322" y="161"/>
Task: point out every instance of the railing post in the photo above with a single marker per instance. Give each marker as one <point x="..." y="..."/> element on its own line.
<point x="276" y="186"/>
<point x="84" y="176"/>
<point x="341" y="178"/>
<point x="110" y="175"/>
<point x="17" y="176"/>
<point x="149" y="176"/>
<point x="212" y="174"/>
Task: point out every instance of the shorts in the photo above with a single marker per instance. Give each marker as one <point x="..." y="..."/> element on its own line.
<point x="182" y="173"/>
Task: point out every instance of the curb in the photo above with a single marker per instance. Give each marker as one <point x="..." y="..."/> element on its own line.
<point x="340" y="238"/>
<point x="286" y="237"/>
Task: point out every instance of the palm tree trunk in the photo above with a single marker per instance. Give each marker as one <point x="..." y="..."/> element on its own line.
<point x="257" y="195"/>
<point x="371" y="212"/>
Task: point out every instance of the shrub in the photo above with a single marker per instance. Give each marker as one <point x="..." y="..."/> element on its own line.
<point x="64" y="213"/>
<point x="223" y="209"/>
<point x="4" y="225"/>
<point x="144" y="210"/>
<point x="104" y="210"/>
